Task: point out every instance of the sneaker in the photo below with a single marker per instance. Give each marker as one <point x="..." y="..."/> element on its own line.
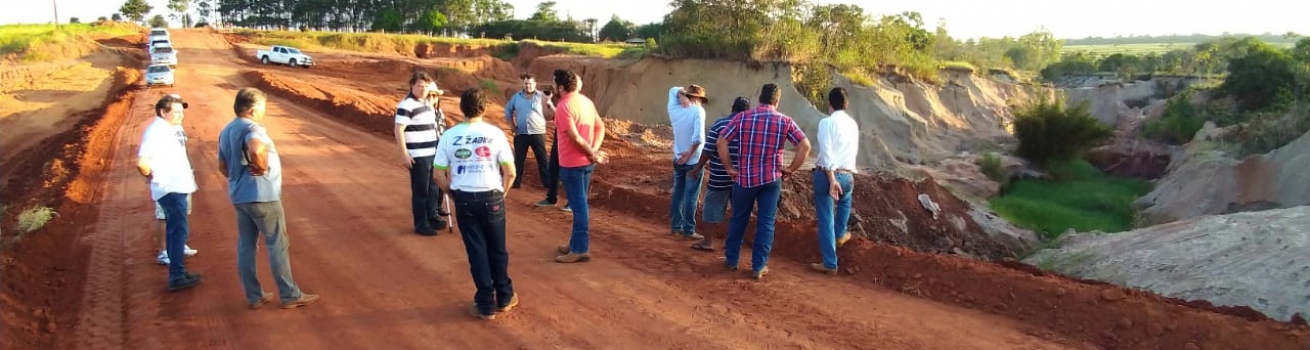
<point x="564" y="249"/>
<point x="162" y="258"/>
<point x="820" y="268"/>
<point x="305" y="299"/>
<point x="566" y="208"/>
<point x="692" y="236"/>
<point x="759" y="275"/>
<point x="188" y="280"/>
<point x="186" y="249"/>
<point x="843" y="239"/>
<point x="265" y="300"/>
<point x="545" y="203"/>
<point x="573" y="258"/>
<point x="513" y="302"/>
<point x="473" y="310"/>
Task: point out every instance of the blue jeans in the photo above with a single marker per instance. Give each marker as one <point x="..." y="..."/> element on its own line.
<point x="831" y="222"/>
<point x="481" y="220"/>
<point x="176" y="229"/>
<point x="743" y="201"/>
<point x="686" y="191"/>
<point x="268" y="219"/>
<point x="576" y="182"/>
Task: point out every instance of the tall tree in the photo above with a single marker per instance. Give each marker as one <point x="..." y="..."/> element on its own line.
<point x="617" y="30"/>
<point x="546" y="12"/>
<point x="158" y="21"/>
<point x="135" y="10"/>
<point x="177" y="8"/>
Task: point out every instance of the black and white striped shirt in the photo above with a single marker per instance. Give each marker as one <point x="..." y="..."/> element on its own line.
<point x="423" y="124"/>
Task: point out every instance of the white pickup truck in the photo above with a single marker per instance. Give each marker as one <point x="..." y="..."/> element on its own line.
<point x="284" y="55"/>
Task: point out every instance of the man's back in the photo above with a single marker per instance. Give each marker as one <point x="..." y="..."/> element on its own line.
<point x="580" y="111"/>
<point x="760" y="134"/>
<point x="242" y="186"/>
<point x="719" y="179"/>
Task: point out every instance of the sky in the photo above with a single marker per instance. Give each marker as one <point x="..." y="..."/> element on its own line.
<point x="964" y="18"/>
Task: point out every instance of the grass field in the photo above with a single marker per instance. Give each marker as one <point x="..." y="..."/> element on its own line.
<point x="1083" y="198"/>
<point x="405" y="43"/>
<point x="17" y="38"/>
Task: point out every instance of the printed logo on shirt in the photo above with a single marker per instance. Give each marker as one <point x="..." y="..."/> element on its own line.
<point x="484" y="152"/>
<point x="463" y="153"/>
<point x="465" y="140"/>
<point x="471" y="169"/>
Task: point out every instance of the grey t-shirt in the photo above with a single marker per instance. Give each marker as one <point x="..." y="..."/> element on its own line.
<point x="243" y="187"/>
<point x="527" y="113"/>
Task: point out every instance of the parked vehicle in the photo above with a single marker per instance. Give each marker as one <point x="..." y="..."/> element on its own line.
<point x="284" y="55"/>
<point x="158" y="43"/>
<point x="157" y="35"/>
<point x="163" y="55"/>
<point x="159" y="74"/>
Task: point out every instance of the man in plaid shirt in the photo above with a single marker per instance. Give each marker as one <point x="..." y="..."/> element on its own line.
<point x="759" y="133"/>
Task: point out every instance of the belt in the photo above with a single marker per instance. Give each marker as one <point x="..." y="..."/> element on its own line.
<point x="840" y="171"/>
<point x="467" y="195"/>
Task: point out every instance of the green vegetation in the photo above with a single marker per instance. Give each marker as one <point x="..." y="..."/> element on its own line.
<point x="406" y="43"/>
<point x="1179" y="123"/>
<point x="994" y="168"/>
<point x="18" y="38"/>
<point x="34" y="218"/>
<point x="1079" y="197"/>
<point x="1049" y="133"/>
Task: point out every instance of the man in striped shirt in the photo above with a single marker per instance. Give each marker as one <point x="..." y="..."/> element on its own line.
<point x="419" y="122"/>
<point x="719" y="188"/>
<point x="760" y="134"/>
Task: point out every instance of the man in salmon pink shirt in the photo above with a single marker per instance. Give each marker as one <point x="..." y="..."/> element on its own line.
<point x="579" y="134"/>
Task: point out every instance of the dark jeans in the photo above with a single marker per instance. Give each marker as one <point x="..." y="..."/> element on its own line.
<point x="481" y="220"/>
<point x="686" y="193"/>
<point x="176" y="227"/>
<point x="743" y="201"/>
<point x="268" y="220"/>
<point x="576" y="182"/>
<point x="552" y="183"/>
<point x="538" y="144"/>
<point x="425" y="195"/>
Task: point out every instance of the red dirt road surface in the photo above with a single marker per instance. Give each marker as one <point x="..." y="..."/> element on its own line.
<point x="384" y="287"/>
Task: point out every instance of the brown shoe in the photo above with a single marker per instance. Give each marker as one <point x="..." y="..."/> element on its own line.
<point x="573" y="258"/>
<point x="513" y="302"/>
<point x="473" y="310"/>
<point x="759" y="275"/>
<point x="843" y="239"/>
<point x="265" y="300"/>
<point x="564" y="249"/>
<point x="305" y="299"/>
<point x="819" y="267"/>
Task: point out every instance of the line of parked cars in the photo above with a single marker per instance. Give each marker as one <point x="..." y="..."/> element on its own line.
<point x="163" y="58"/>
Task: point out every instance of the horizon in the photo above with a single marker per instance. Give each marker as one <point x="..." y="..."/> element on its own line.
<point x="962" y="20"/>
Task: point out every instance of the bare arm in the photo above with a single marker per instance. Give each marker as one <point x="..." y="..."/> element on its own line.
<point x="222" y="167"/>
<point x="405" y="159"/>
<point x="802" y="152"/>
<point x="143" y="166"/>
<point x="599" y="130"/>
<point x="443" y="179"/>
<point x="507" y="176"/>
<point x="258" y="152"/>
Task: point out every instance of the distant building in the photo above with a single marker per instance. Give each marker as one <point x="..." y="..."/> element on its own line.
<point x="635" y="41"/>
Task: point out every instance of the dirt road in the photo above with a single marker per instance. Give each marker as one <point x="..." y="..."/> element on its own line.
<point x="386" y="288"/>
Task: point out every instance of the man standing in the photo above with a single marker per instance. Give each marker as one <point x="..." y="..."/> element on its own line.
<point x="160" y="217"/>
<point x="839" y="142"/>
<point x="580" y="132"/>
<point x="760" y="133"/>
<point x="687" y="115"/>
<point x="163" y="161"/>
<point x="248" y="160"/>
<point x="526" y="112"/>
<point x="419" y="121"/>
<point x="477" y="157"/>
<point x="552" y="183"/>
<point x="720" y="185"/>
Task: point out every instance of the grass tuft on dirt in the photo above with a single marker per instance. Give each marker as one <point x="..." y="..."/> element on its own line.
<point x="1079" y="197"/>
<point x="18" y="39"/>
<point x="34" y="218"/>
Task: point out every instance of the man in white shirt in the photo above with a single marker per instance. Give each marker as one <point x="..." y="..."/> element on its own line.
<point x="162" y="159"/>
<point x="839" y="142"/>
<point x="419" y="123"/>
<point x="475" y="164"/>
<point x="687" y="115"/>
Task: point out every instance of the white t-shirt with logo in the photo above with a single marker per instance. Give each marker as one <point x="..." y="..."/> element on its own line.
<point x="163" y="146"/>
<point x="473" y="153"/>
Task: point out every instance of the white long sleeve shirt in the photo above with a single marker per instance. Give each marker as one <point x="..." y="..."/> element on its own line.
<point x="688" y="127"/>
<point x="839" y="142"/>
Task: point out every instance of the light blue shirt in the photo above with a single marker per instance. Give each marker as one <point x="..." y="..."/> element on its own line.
<point x="243" y="187"/>
<point x="526" y="113"/>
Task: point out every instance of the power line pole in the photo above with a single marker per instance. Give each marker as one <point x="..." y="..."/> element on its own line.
<point x="56" y="5"/>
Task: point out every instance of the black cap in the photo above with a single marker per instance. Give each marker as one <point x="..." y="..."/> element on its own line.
<point x="169" y="99"/>
<point x="741" y="104"/>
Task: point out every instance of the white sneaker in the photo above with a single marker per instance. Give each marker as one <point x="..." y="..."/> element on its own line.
<point x="162" y="258"/>
<point x="186" y="249"/>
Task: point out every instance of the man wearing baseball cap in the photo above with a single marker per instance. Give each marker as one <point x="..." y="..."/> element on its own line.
<point x="162" y="160"/>
<point x="687" y="115"/>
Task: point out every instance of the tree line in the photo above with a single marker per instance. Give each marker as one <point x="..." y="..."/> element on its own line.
<point x="1287" y="38"/>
